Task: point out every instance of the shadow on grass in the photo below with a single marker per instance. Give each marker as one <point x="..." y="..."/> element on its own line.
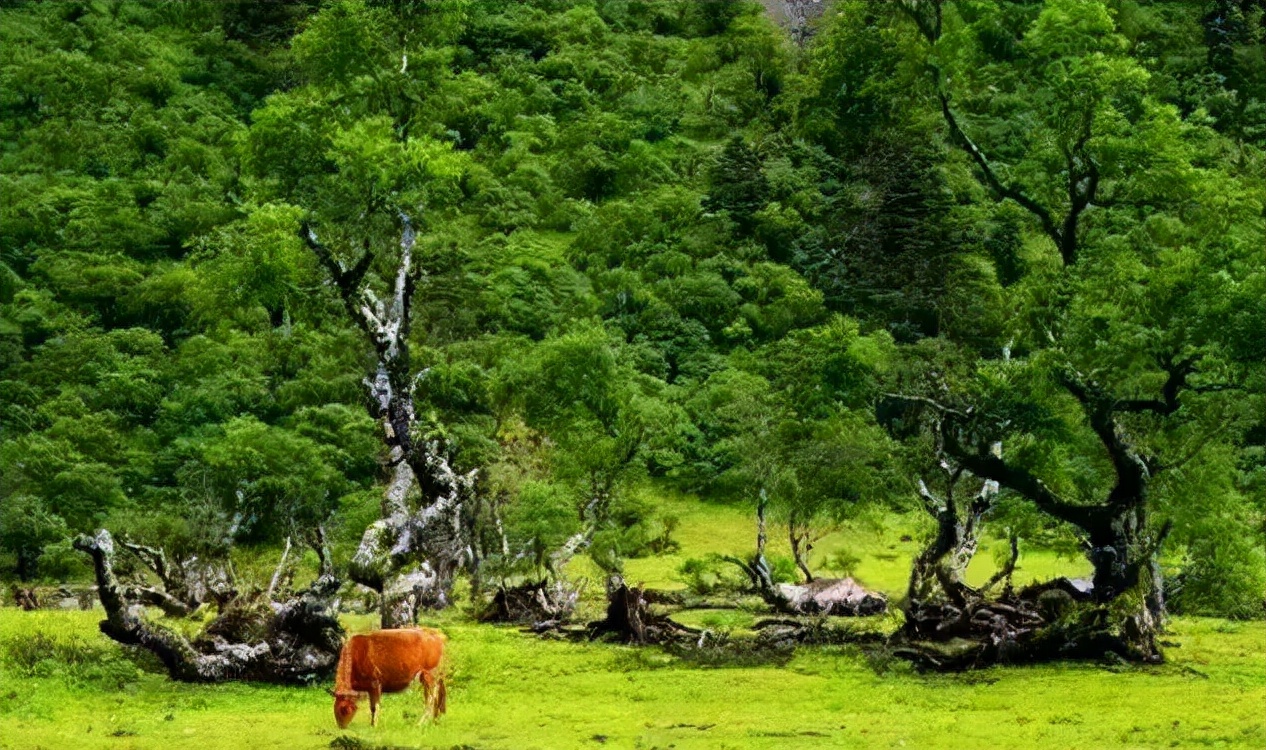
<point x="736" y="654"/>
<point x="348" y="742"/>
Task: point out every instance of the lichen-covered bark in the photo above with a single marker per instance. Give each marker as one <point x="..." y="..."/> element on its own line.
<point x="186" y="582"/>
<point x="297" y="640"/>
<point x="411" y="554"/>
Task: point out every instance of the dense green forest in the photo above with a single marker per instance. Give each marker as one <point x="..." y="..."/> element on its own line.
<point x="947" y="316"/>
<point x="655" y="247"/>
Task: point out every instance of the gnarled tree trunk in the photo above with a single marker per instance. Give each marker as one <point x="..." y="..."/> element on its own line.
<point x="187" y="582"/>
<point x="411" y="555"/>
<point x="1121" y="546"/>
<point x="296" y="639"/>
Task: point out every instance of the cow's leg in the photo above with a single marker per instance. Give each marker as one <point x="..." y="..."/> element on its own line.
<point x="375" y="695"/>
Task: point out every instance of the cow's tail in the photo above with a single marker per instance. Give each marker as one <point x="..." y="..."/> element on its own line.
<point x="441" y="697"/>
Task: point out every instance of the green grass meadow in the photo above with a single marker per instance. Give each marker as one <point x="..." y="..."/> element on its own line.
<point x="64" y="685"/>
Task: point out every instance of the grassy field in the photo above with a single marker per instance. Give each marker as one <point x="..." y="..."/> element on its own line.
<point x="63" y="685"/>
<point x="510" y="690"/>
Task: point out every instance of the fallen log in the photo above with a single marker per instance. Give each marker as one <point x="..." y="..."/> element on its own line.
<point x="841" y="597"/>
<point x="294" y="640"/>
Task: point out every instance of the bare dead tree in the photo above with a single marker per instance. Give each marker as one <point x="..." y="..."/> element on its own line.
<point x="293" y="637"/>
<point x="412" y="553"/>
<point x="818" y="596"/>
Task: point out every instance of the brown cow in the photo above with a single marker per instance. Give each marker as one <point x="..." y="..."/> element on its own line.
<point x="388" y="661"/>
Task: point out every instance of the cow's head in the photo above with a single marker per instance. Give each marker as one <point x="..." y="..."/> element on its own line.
<point x="344" y="708"/>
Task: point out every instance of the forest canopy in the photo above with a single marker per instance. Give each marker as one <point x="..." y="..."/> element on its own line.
<point x="647" y="244"/>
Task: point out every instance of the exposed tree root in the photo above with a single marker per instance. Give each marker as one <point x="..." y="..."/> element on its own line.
<point x="1045" y="622"/>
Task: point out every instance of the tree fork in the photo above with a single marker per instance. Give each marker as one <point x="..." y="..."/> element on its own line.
<point x="408" y="556"/>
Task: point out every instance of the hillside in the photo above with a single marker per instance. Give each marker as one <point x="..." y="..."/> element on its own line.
<point x="393" y="310"/>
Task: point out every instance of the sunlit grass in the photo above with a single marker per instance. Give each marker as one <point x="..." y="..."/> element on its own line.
<point x="515" y="691"/>
<point x="511" y="690"/>
<point x="884" y="547"/>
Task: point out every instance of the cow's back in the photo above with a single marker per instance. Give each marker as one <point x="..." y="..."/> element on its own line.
<point x="394" y="658"/>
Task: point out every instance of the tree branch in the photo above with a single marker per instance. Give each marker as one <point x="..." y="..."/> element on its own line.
<point x="346" y="281"/>
<point x="1171" y="391"/>
<point x="985" y="465"/>
<point x="1131" y="469"/>
<point x="929" y="27"/>
<point x="1001" y="190"/>
<point x="1006" y="570"/>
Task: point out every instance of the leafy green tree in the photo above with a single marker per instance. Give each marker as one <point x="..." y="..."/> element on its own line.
<point x="603" y="419"/>
<point x="1115" y="377"/>
<point x="738" y="185"/>
<point x="26" y="527"/>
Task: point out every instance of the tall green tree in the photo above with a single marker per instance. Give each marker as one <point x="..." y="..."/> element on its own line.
<point x="1122" y="376"/>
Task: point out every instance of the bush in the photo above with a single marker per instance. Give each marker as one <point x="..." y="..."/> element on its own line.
<point x="843" y="562"/>
<point x="1224" y="576"/>
<point x="74" y="658"/>
<point x="783" y="569"/>
<point x="60" y="561"/>
<point x="638" y="529"/>
<point x="708" y="575"/>
<point x="27" y="526"/>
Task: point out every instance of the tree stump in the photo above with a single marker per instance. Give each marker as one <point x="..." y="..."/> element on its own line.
<point x="630" y="620"/>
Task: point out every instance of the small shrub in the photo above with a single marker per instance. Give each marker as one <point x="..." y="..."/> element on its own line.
<point x="73" y="658"/>
<point x="1224" y="576"/>
<point x="662" y="541"/>
<point x="701" y="576"/>
<point x="637" y="530"/>
<point x="783" y="569"/>
<point x="62" y="562"/>
<point x="843" y="562"/>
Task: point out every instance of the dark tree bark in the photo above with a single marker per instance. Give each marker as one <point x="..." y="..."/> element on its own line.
<point x="411" y="554"/>
<point x="1121" y="544"/>
<point x="938" y="572"/>
<point x="541" y="604"/>
<point x="630" y="620"/>
<point x="1081" y="173"/>
<point x="293" y="640"/>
